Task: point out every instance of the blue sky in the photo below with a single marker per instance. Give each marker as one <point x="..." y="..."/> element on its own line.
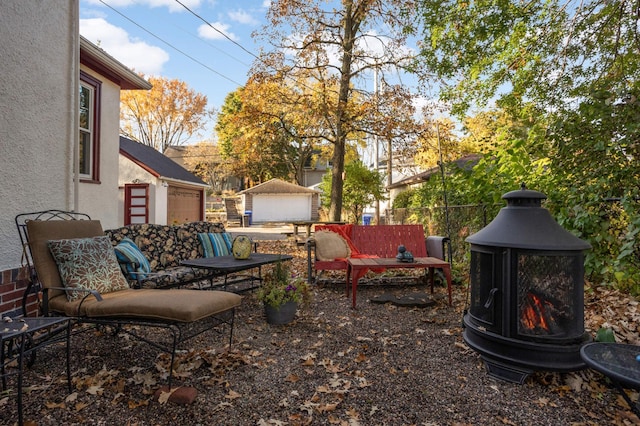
<point x="142" y="39"/>
<point x="163" y="38"/>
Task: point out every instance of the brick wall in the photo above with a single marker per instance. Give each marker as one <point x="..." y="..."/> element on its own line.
<point x="13" y="283"/>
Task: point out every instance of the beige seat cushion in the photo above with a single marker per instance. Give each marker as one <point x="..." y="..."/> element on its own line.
<point x="181" y="305"/>
<point x="330" y="246"/>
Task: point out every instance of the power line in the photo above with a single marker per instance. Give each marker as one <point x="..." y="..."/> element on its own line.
<point x="215" y="29"/>
<point x="171" y="46"/>
<point x="212" y="46"/>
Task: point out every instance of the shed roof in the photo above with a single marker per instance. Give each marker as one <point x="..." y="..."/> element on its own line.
<point x="466" y="162"/>
<point x="156" y="163"/>
<point x="277" y="186"/>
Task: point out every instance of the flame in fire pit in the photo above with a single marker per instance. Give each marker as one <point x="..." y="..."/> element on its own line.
<point x="537" y="315"/>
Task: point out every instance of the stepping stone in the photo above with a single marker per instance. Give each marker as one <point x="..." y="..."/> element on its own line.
<point x="416" y="300"/>
<point x="183" y="395"/>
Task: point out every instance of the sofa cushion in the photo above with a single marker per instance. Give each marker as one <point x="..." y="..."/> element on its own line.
<point x="87" y="263"/>
<point x="175" y="276"/>
<point x="188" y="243"/>
<point x="330" y="246"/>
<point x="215" y="243"/>
<point x="157" y="242"/>
<point x="135" y="264"/>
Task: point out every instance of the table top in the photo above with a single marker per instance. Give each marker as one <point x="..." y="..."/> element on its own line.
<point x="392" y="262"/>
<point x="18" y="326"/>
<point x="229" y="263"/>
<point x="615" y="360"/>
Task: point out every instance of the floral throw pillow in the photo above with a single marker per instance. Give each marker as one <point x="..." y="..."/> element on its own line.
<point x="87" y="263"/>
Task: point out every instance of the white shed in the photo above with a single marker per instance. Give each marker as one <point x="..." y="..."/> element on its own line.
<point x="280" y="201"/>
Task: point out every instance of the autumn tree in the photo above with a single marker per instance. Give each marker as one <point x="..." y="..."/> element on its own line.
<point x="329" y="44"/>
<point x="362" y="187"/>
<point x="168" y="114"/>
<point x="267" y="133"/>
<point x="573" y="70"/>
<point x="437" y="140"/>
<point x="204" y="160"/>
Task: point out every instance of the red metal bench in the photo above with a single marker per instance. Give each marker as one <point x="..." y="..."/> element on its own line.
<point x="381" y="241"/>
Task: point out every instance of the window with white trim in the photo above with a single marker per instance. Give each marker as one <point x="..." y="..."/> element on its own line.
<point x="89" y="123"/>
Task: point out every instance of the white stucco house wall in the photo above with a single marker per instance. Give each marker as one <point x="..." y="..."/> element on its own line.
<point x="44" y="63"/>
<point x="105" y="77"/>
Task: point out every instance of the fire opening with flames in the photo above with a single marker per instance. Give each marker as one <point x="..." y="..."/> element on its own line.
<point x="539" y="316"/>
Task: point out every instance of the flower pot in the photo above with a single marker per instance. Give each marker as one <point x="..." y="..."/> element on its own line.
<point x="283" y="314"/>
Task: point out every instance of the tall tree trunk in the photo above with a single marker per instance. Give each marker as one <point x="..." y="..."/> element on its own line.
<point x="351" y="23"/>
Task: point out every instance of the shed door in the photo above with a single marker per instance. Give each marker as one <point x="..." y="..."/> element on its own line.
<point x="136" y="203"/>
<point x="281" y="207"/>
<point x="184" y="205"/>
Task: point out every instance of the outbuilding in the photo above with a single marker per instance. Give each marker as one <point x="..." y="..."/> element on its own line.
<point x="156" y="189"/>
<point x="280" y="201"/>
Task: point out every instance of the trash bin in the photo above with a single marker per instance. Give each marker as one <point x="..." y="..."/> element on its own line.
<point x="366" y="219"/>
<point x="247" y="218"/>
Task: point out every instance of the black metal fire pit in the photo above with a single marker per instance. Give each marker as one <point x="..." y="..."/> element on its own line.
<point x="526" y="311"/>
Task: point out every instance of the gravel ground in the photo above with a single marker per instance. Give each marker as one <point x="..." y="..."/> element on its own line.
<point x="377" y="365"/>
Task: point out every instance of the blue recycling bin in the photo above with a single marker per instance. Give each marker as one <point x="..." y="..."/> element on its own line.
<point x="248" y="217"/>
<point x="366" y="219"/>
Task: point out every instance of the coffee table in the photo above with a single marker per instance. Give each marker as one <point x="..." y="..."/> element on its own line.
<point x="617" y="361"/>
<point x="357" y="264"/>
<point x="229" y="264"/>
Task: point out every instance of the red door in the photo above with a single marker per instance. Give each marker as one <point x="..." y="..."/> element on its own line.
<point x="136" y="203"/>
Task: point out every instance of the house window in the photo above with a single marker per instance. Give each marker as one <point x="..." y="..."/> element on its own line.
<point x="89" y="122"/>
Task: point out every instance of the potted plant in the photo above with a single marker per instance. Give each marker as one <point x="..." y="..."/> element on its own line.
<point x="282" y="293"/>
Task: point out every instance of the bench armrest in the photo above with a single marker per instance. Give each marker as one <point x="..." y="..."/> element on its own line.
<point x="437" y="246"/>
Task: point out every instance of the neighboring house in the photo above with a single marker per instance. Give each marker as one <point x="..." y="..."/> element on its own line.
<point x="59" y="126"/>
<point x="466" y="162"/>
<point x="228" y="183"/>
<point x="279" y="201"/>
<point x="156" y="189"/>
<point x="314" y="170"/>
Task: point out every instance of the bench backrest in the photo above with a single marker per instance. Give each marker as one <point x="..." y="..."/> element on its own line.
<point x="166" y="245"/>
<point x="383" y="240"/>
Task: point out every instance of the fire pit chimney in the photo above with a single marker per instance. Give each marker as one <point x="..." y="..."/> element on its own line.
<point x="526" y="311"/>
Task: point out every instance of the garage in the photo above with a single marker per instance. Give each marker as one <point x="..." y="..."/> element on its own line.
<point x="183" y="204"/>
<point x="281" y="207"/>
<point x="279" y="201"/>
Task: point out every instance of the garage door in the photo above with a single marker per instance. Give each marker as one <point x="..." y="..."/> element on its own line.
<point x="183" y="205"/>
<point x="281" y="207"/>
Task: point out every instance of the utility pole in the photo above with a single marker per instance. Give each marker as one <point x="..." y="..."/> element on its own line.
<point x="376" y="160"/>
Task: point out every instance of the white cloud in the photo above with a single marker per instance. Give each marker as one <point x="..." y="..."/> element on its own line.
<point x="205" y="31"/>
<point x="137" y="55"/>
<point x="172" y="5"/>
<point x="242" y="17"/>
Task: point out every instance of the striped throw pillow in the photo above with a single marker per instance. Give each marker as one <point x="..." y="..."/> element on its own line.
<point x="136" y="265"/>
<point x="215" y="244"/>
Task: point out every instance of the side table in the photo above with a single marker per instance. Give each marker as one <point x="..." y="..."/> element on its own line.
<point x="21" y="337"/>
<point x="617" y="361"/>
